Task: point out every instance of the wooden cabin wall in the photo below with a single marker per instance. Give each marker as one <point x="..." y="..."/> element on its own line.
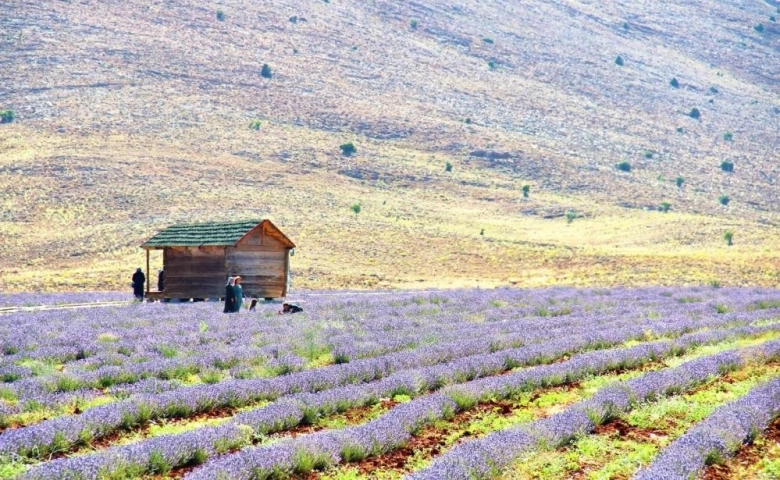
<point x="194" y="272"/>
<point x="262" y="262"/>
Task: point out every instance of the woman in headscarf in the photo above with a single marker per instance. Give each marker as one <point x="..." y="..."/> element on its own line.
<point x="239" y="292"/>
<point x="230" y="296"/>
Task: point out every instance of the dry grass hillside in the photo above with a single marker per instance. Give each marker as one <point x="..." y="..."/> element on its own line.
<point x="131" y="115"/>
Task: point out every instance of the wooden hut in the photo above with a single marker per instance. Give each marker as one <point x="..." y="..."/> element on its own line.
<point x="198" y="258"/>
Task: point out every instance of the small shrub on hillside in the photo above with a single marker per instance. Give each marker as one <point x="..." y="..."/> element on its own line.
<point x="448" y="167"/>
<point x="356" y="208"/>
<point x="623" y="166"/>
<point x="413" y="24"/>
<point x="625" y="26"/>
<point x="488" y="40"/>
<point x="348" y="149"/>
<point x="526" y="190"/>
<point x="265" y="72"/>
<point x="680" y="130"/>
<point x="727" y="166"/>
<point x="7" y="116"/>
<point x="729" y="237"/>
<point x="714" y="90"/>
<point x="619" y="61"/>
<point x="220" y="15"/>
<point x="648" y="154"/>
<point x="665" y="206"/>
<point x="674" y="83"/>
<point x="467" y="121"/>
<point x="759" y="28"/>
<point x="492" y="64"/>
<point x="255" y="124"/>
<point x="694" y="113"/>
<point x="482" y="232"/>
<point x="571" y="215"/>
<point x="724" y="199"/>
<point x="294" y="19"/>
<point x="772" y="18"/>
<point x="679" y="181"/>
<point x="728" y="136"/>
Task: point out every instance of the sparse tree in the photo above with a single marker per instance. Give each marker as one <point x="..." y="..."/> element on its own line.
<point x="724" y="200"/>
<point x="488" y="40"/>
<point x="623" y="166"/>
<point x="356" y="208"/>
<point x="727" y="166"/>
<point x="694" y="113"/>
<point x="348" y="149"/>
<point x="665" y="206"/>
<point x="680" y="130"/>
<point x="648" y="154"/>
<point x="679" y="181"/>
<point x="729" y="237"/>
<point x="571" y="215"/>
<point x="759" y="28"/>
<point x="255" y="124"/>
<point x="413" y="24"/>
<point x="482" y="232"/>
<point x="674" y="83"/>
<point x="448" y="167"/>
<point x="220" y="15"/>
<point x="265" y="72"/>
<point x="526" y="190"/>
<point x="492" y="64"/>
<point x="728" y="136"/>
<point x="7" y="116"/>
<point x="619" y="61"/>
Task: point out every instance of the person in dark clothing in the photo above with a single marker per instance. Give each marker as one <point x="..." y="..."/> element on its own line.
<point x="253" y="305"/>
<point x="289" y="308"/>
<point x="160" y="280"/>
<point x="138" y="284"/>
<point x="230" y="296"/>
<point x="239" y="293"/>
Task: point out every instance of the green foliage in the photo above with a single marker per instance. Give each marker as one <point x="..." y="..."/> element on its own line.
<point x="679" y="181"/>
<point x="724" y="199"/>
<point x="619" y="61"/>
<point x="625" y="26"/>
<point x="448" y="167"/>
<point x="526" y="190"/>
<point x="694" y="113"/>
<point x="167" y="351"/>
<point x="7" y="116"/>
<point x="728" y="136"/>
<point x="772" y="18"/>
<point x="158" y="464"/>
<point x="482" y="232"/>
<point x="729" y="237"/>
<point x="265" y="72"/>
<point x="648" y="154"/>
<point x="673" y="82"/>
<point x="348" y="149"/>
<point x="721" y="308"/>
<point x="713" y="90"/>
<point x="488" y="40"/>
<point x="727" y="166"/>
<point x="413" y="24"/>
<point x="255" y="124"/>
<point x="220" y="15"/>
<point x="467" y="121"/>
<point x="492" y="64"/>
<point x="680" y="130"/>
<point x="665" y="206"/>
<point x="759" y="28"/>
<point x="571" y="215"/>
<point x="623" y="166"/>
<point x="356" y="208"/>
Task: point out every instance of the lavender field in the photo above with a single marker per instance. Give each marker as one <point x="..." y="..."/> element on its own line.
<point x="471" y="384"/>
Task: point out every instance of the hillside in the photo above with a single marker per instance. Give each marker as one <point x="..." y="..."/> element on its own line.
<point x="131" y="115"/>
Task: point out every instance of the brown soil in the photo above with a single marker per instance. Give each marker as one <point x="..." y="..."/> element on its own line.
<point x="749" y="454"/>
<point x="621" y="429"/>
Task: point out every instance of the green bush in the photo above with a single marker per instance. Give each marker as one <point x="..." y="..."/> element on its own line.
<point x="571" y="215"/>
<point x="680" y="130"/>
<point x="467" y="121"/>
<point x="619" y="61"/>
<point x="665" y="206"/>
<point x="448" y="167"/>
<point x="413" y="24"/>
<point x="694" y="113"/>
<point x="724" y="199"/>
<point x="348" y="149"/>
<point x="526" y="190"/>
<point x="255" y="124"/>
<point x="648" y="154"/>
<point x="728" y="136"/>
<point x="492" y="64"/>
<point x="482" y="232"/>
<point x="729" y="237"/>
<point x="679" y="181"/>
<point x="356" y="208"/>
<point x="220" y="15"/>
<point x="7" y="116"/>
<point x="623" y="166"/>
<point x="772" y="18"/>
<point x="265" y="72"/>
<point x="488" y="40"/>
<point x="727" y="166"/>
<point x="674" y="83"/>
<point x="713" y="90"/>
<point x="759" y="28"/>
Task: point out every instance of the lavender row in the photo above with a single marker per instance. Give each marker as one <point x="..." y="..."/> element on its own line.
<point x="395" y="428"/>
<point x="488" y="456"/>
<point x="181" y="449"/>
<point x="99" y="421"/>
<point x="719" y="435"/>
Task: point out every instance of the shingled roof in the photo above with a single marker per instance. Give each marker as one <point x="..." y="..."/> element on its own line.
<point x="202" y="234"/>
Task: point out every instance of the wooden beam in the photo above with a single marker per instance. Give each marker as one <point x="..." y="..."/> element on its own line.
<point x="147" y="272"/>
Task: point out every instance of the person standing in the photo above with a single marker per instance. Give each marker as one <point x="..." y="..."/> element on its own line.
<point x="230" y="296"/>
<point x="138" y="284"/>
<point x="160" y="280"/>
<point x="239" y="295"/>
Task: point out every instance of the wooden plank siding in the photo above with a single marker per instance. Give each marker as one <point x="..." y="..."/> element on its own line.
<point x="262" y="271"/>
<point x="194" y="272"/>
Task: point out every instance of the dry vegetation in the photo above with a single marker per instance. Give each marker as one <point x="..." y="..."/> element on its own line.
<point x="133" y="115"/>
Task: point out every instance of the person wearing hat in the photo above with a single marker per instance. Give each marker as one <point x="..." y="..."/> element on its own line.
<point x="138" y="284"/>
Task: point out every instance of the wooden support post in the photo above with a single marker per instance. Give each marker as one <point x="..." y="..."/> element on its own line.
<point x="147" y="271"/>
